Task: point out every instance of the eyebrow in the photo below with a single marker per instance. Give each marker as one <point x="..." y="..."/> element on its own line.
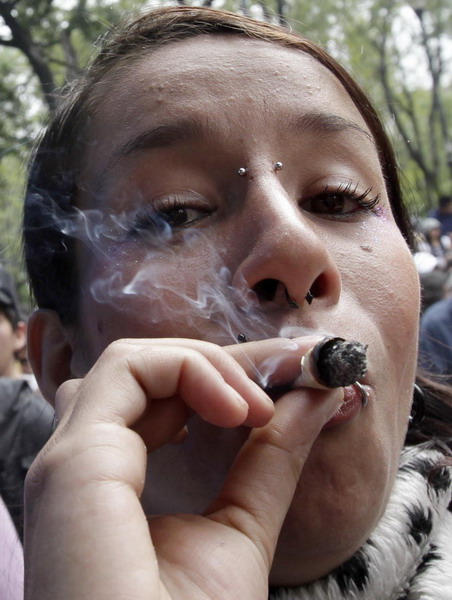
<point x="184" y="130"/>
<point x="169" y="134"/>
<point x="161" y="136"/>
<point x="326" y="123"/>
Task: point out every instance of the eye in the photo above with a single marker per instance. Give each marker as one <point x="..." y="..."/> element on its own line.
<point x="342" y="200"/>
<point x="181" y="216"/>
<point x="166" y="215"/>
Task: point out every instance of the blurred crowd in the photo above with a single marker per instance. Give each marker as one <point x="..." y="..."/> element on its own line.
<point x="433" y="258"/>
<point x="25" y="417"/>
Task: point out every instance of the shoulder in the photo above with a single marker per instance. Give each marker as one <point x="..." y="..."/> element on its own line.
<point x="25" y="417"/>
<point x="441" y="310"/>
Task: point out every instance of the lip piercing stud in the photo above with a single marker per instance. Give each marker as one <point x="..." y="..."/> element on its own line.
<point x="309" y="297"/>
<point x="278" y="166"/>
<point x="363" y="392"/>
<point x="241" y="172"/>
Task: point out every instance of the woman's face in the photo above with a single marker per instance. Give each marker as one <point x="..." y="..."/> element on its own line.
<point x="178" y="244"/>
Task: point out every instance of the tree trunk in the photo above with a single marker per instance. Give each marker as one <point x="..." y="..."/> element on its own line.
<point x="23" y="42"/>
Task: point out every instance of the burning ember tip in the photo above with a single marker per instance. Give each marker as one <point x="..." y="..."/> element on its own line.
<point x="332" y="363"/>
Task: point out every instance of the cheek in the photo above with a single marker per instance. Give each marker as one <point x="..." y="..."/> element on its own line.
<point x="6" y="336"/>
<point x="383" y="282"/>
<point x="383" y="277"/>
<point x="132" y="292"/>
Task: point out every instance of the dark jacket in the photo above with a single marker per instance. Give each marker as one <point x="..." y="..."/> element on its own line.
<point x="25" y="426"/>
<point x="435" y="340"/>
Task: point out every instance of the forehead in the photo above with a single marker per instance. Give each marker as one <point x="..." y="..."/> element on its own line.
<point x="217" y="61"/>
<point x="219" y="75"/>
<point x="219" y="98"/>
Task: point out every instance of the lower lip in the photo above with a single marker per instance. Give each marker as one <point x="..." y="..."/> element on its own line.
<point x="348" y="411"/>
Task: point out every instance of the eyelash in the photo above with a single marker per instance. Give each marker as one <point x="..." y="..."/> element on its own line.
<point x="364" y="200"/>
<point x="151" y="219"/>
<point x="348" y="191"/>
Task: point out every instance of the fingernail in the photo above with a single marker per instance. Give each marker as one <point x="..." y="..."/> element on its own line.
<point x="238" y="398"/>
<point x="337" y="400"/>
<point x="265" y="397"/>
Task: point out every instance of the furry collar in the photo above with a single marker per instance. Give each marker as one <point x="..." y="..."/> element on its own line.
<point x="409" y="555"/>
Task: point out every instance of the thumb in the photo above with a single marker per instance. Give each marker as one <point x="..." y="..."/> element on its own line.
<point x="260" y="486"/>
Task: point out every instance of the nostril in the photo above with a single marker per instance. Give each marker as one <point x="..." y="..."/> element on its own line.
<point x="266" y="289"/>
<point x="318" y="288"/>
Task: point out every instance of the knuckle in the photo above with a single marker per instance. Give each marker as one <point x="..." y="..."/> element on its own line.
<point x="116" y="350"/>
<point x="66" y="391"/>
<point x="275" y="437"/>
<point x="44" y="465"/>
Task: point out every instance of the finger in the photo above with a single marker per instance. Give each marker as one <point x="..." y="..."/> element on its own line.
<point x="215" y="387"/>
<point x="129" y="380"/>
<point x="273" y="362"/>
<point x="256" y="354"/>
<point x="65" y="398"/>
<point x="260" y="486"/>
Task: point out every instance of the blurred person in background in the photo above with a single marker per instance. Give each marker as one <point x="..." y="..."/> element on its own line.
<point x="435" y="338"/>
<point x="444" y="214"/>
<point x="433" y="287"/>
<point x="11" y="558"/>
<point x="25" y="417"/>
<point x="13" y="337"/>
<point x="434" y="242"/>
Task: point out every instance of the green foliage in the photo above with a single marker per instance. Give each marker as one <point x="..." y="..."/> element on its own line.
<point x="11" y="182"/>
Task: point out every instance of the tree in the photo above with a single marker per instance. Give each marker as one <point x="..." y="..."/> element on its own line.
<point x="44" y="46"/>
<point x="398" y="49"/>
<point x="416" y="106"/>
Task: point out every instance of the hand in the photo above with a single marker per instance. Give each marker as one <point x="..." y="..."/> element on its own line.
<point x="86" y="534"/>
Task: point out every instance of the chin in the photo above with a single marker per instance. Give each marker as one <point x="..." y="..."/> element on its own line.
<point x="304" y="555"/>
<point x="336" y="506"/>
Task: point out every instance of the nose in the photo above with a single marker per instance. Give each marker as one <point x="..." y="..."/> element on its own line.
<point x="288" y="257"/>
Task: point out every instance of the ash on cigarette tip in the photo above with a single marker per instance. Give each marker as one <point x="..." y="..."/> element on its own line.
<point x="341" y="362"/>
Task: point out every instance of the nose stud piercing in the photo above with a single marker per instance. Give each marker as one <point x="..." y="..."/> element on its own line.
<point x="309" y="297"/>
<point x="241" y="172"/>
<point x="291" y="302"/>
<point x="278" y="166"/>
